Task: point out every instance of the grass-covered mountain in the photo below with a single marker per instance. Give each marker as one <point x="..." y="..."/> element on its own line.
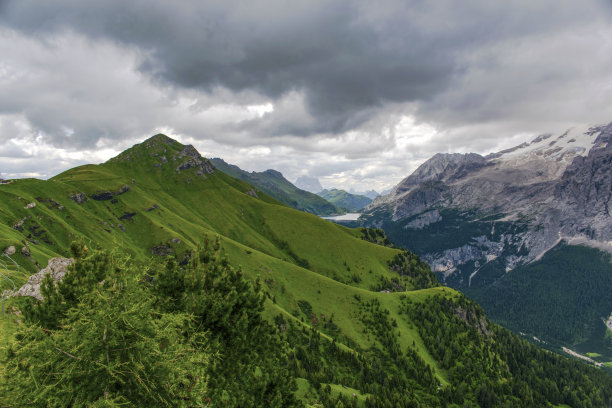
<point x="343" y="199"/>
<point x="474" y="219"/>
<point x="350" y="322"/>
<point x="275" y="185"/>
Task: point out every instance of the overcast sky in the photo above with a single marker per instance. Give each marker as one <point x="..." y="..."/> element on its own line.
<point x="355" y="93"/>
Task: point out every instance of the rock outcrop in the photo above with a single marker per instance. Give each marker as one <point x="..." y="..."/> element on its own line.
<point x="78" y="198"/>
<point x="190" y="158"/>
<point x="56" y="267"/>
<point x="550" y="189"/>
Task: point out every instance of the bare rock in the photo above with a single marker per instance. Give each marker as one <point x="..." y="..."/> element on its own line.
<point x="19" y="225"/>
<point x="9" y="250"/>
<point x="191" y="159"/>
<point x="162" y="250"/>
<point x="25" y="251"/>
<point x="30" y="205"/>
<point x="252" y="193"/>
<point x="56" y="268"/>
<point x="108" y="195"/>
<point x="78" y="198"/>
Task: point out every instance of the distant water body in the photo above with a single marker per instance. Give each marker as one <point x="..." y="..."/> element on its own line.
<point x="345" y="217"/>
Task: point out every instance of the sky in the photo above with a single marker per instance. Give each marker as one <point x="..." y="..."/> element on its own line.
<point x="356" y="93"/>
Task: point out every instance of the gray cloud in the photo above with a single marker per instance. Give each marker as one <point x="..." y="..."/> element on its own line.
<point x="348" y="58"/>
<point x="340" y="74"/>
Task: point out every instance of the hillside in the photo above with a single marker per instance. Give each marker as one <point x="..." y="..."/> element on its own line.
<point x="475" y="218"/>
<point x="343" y="199"/>
<point x="275" y="185"/>
<point x="363" y="324"/>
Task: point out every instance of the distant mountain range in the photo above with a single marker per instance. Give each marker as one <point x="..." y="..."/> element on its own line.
<point x="309" y="183"/>
<point x="480" y="221"/>
<point x="274" y="184"/>
<point x="343" y="199"/>
<point x="353" y="320"/>
<point x="371" y="194"/>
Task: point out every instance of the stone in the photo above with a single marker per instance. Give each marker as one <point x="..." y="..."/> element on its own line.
<point x="78" y="198"/>
<point x="162" y="250"/>
<point x="30" y="205"/>
<point x="10" y="250"/>
<point x="25" y="251"/>
<point x="19" y="225"/>
<point x="56" y="267"/>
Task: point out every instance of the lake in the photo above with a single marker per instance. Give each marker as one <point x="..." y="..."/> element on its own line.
<point x="345" y="217"/>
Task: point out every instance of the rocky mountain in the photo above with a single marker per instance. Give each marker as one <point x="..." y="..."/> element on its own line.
<point x="474" y="218"/>
<point x="274" y="184"/>
<point x="309" y="183"/>
<point x="343" y="199"/>
<point x="351" y="321"/>
<point x="371" y="194"/>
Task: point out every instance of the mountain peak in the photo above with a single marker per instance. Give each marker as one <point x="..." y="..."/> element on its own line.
<point x="308" y="183"/>
<point x="274" y="173"/>
<point x="159" y="138"/>
<point x="161" y="151"/>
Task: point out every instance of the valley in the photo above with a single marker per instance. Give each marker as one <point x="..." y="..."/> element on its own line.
<point x="534" y="215"/>
<point x="361" y="322"/>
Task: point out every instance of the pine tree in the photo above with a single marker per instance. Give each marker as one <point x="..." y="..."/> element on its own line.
<point x="252" y="369"/>
<point x="107" y="347"/>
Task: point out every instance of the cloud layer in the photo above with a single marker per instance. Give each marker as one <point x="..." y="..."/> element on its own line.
<point x="357" y="93"/>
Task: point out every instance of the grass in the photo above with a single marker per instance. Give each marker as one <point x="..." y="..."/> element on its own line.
<point x="273" y="183"/>
<point x="297" y="256"/>
<point x="7" y="328"/>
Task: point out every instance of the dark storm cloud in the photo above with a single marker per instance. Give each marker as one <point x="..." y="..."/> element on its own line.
<point x="338" y="76"/>
<point x="348" y="58"/>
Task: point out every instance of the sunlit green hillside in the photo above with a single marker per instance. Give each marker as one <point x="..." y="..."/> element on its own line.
<point x="366" y="324"/>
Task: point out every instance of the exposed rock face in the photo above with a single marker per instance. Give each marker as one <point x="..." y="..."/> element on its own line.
<point x="424" y="219"/>
<point x="79" y="198"/>
<point x="10" y="250"/>
<point x="162" y="250"/>
<point x="191" y="159"/>
<point x="584" y="192"/>
<point x="470" y="317"/>
<point x="108" y="195"/>
<point x="308" y="183"/>
<point x="19" y="225"/>
<point x="550" y="189"/>
<point x="56" y="268"/>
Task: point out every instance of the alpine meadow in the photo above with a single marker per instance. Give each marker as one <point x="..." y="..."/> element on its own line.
<point x="187" y="287"/>
<point x="305" y="204"/>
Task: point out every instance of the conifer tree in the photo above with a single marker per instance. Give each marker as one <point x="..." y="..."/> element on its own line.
<point x="252" y="369"/>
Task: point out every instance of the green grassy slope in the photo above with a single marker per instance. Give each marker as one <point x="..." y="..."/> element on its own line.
<point x="162" y="198"/>
<point x="343" y="199"/>
<point x="275" y="185"/>
<point x="169" y="211"/>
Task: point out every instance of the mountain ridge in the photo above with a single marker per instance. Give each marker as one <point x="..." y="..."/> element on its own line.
<point x="353" y="313"/>
<point x="475" y="218"/>
<point x="344" y="199"/>
<point x="273" y="183"/>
